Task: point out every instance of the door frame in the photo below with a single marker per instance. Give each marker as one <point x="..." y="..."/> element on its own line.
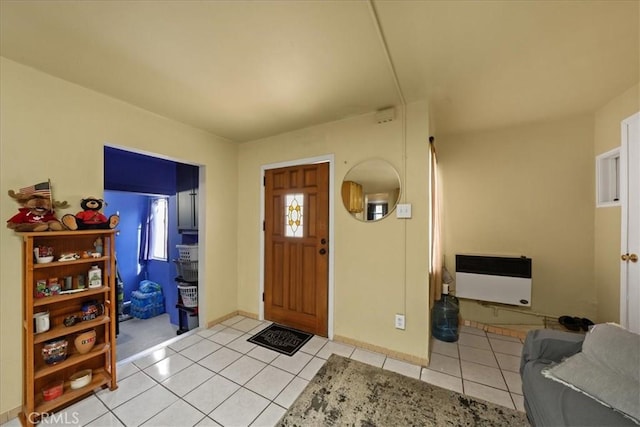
<point x="625" y="189"/>
<point x="327" y="158"/>
<point x="202" y="208"/>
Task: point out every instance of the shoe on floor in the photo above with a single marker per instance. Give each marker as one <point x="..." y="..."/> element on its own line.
<point x="571" y="323"/>
<point x="585" y="323"/>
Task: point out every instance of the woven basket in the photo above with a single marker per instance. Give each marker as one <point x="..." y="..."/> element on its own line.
<point x="189" y="295"/>
<point x="187" y="252"/>
<point x="188" y="270"/>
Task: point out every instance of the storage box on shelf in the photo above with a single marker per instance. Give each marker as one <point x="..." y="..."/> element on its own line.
<point x="61" y="342"/>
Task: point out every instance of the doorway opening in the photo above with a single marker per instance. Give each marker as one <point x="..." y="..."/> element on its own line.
<point x="157" y="203"/>
<point x="630" y="224"/>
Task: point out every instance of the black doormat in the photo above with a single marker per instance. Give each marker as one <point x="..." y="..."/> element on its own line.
<point x="281" y="339"/>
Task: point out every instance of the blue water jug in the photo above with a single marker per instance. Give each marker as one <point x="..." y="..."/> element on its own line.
<point x="444" y="318"/>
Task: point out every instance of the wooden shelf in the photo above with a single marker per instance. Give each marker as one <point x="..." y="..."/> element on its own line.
<point x="72" y="360"/>
<point x="73" y="262"/>
<point x="102" y="357"/>
<point x="38" y="302"/>
<point x="30" y="234"/>
<point x="61" y="331"/>
<point x="99" y="378"/>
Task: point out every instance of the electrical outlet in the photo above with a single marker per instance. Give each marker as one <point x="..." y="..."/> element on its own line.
<point x="400" y="321"/>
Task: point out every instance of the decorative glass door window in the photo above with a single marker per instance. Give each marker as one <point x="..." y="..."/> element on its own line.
<point x="293" y="215"/>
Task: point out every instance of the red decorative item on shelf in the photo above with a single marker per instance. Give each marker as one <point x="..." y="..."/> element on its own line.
<point x="53" y="390"/>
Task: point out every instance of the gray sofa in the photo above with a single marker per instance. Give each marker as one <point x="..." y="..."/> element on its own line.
<point x="550" y="403"/>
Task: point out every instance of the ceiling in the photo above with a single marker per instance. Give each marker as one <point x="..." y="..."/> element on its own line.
<point x="245" y="70"/>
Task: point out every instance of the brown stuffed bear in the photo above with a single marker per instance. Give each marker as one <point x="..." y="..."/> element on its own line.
<point x="36" y="214"/>
<point x="90" y="218"/>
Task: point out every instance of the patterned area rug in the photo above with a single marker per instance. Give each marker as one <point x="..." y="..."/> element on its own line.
<point x="281" y="339"/>
<point x="347" y="392"/>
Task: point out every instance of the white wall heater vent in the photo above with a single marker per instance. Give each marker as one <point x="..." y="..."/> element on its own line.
<point x="500" y="279"/>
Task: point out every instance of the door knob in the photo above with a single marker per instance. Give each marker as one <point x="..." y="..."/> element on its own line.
<point x="323" y="251"/>
<point x="624" y="257"/>
<point x="323" y="241"/>
<point x="633" y="258"/>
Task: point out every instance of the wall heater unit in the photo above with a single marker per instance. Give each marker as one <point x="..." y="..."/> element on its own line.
<point x="505" y="280"/>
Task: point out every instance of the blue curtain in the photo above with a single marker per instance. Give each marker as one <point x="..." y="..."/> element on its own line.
<point x="145" y="237"/>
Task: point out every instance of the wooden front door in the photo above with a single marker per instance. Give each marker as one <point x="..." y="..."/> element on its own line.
<point x="296" y="247"/>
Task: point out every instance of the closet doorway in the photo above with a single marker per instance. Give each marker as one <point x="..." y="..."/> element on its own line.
<point x="157" y="203"/>
<point x="630" y="224"/>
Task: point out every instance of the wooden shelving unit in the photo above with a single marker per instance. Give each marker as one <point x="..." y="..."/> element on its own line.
<point x="101" y="359"/>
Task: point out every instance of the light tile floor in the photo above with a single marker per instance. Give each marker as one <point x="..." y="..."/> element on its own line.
<point x="215" y="377"/>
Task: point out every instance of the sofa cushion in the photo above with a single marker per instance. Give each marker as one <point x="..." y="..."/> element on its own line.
<point x="607" y="369"/>
<point x="549" y="403"/>
<point x="550" y="345"/>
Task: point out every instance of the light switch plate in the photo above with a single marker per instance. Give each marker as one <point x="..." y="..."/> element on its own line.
<point x="403" y="210"/>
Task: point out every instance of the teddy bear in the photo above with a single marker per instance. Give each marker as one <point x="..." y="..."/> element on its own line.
<point x="91" y="217"/>
<point x="37" y="212"/>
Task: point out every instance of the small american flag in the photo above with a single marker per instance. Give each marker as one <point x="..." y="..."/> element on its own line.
<point x="43" y="188"/>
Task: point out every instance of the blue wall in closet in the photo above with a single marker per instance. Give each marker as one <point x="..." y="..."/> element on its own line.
<point x="132" y="172"/>
<point x="130" y="180"/>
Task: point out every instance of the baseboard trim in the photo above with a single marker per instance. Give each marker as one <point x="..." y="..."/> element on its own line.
<point x="247" y="314"/>
<point x="230" y="315"/>
<point x="495" y="329"/>
<point x="364" y="345"/>
<point x="5" y="417"/>
<point x="221" y="319"/>
<point x="383" y="350"/>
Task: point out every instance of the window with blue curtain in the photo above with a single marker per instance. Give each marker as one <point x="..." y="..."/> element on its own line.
<point x="155" y="231"/>
<point x="159" y="229"/>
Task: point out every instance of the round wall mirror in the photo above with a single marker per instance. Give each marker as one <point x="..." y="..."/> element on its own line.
<point x="371" y="190"/>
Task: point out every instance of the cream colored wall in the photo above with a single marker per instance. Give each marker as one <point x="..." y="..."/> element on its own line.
<point x="370" y="258"/>
<point x="50" y="128"/>
<point x="525" y="190"/>
<point x="607" y="220"/>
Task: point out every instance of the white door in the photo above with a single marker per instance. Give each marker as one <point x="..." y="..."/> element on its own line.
<point x="630" y="190"/>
